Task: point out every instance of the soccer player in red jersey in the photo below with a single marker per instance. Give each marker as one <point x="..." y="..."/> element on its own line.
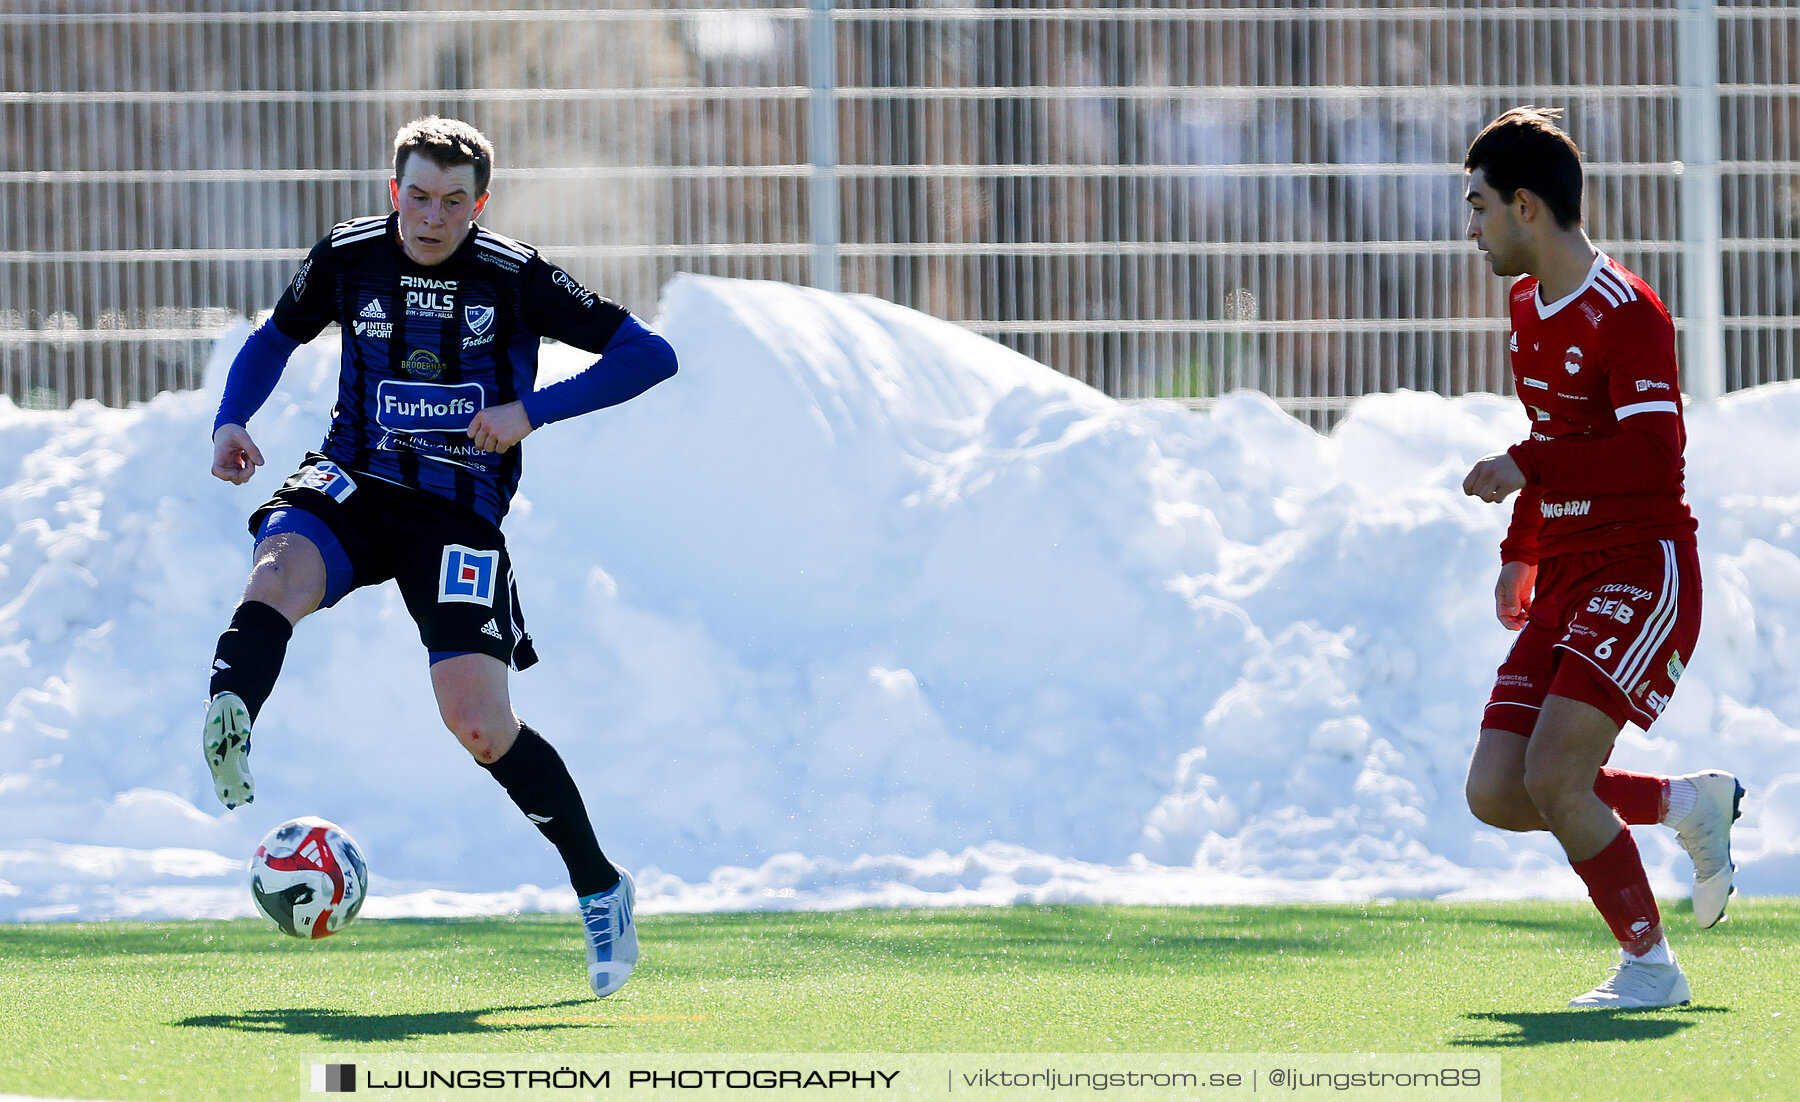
<point x="1599" y="572"/>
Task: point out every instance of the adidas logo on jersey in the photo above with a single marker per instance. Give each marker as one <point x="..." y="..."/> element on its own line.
<point x="373" y="311"/>
<point x="491" y="628"/>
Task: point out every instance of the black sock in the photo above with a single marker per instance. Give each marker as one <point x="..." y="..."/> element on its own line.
<point x="533" y="774"/>
<point x="250" y="653"/>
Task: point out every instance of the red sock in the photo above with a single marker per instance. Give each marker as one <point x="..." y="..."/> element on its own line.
<point x="1621" y="892"/>
<point x="1637" y="797"/>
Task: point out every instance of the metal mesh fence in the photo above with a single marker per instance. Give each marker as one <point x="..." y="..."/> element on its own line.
<point x="1164" y="200"/>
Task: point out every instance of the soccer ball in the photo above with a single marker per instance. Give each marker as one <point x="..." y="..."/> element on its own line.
<point x="308" y="877"/>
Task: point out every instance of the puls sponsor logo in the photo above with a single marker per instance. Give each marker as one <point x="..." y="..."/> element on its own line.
<point x="429" y="298"/>
<point x="430" y="304"/>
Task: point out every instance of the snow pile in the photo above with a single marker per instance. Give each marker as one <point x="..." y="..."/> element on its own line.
<point x="863" y="609"/>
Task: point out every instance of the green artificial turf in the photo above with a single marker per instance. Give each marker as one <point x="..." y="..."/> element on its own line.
<point x="232" y="1009"/>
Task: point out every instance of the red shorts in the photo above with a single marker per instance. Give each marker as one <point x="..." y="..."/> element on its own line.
<point x="1610" y="628"/>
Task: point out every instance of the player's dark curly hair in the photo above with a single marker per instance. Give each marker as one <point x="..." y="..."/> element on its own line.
<point x="448" y="143"/>
<point x="1524" y="148"/>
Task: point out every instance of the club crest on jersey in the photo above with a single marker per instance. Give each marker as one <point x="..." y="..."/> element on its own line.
<point x="480" y="320"/>
<point x="467" y="575"/>
<point x="1572" y="360"/>
<point x="423" y="364"/>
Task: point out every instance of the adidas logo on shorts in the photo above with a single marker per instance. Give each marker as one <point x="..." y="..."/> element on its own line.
<point x="491" y="628"/>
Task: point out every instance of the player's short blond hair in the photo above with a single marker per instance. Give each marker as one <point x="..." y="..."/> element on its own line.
<point x="447" y="143"/>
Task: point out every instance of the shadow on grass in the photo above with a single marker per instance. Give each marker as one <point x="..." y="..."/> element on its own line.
<point x="1551" y="1027"/>
<point x="329" y="1024"/>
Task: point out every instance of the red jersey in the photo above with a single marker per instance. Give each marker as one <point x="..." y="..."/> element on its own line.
<point x="1597" y="374"/>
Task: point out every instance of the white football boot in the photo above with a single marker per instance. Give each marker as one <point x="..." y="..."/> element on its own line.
<point x="612" y="941"/>
<point x="227" y="743"/>
<point x="1705" y="832"/>
<point x="1636" y="985"/>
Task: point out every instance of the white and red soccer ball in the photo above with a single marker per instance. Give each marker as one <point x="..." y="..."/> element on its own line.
<point x="309" y="878"/>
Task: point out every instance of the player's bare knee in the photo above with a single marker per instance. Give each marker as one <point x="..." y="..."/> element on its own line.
<point x="1485" y="805"/>
<point x="1504" y="807"/>
<point x="1553" y="796"/>
<point x="479" y="743"/>
<point x="486" y="738"/>
<point x="292" y="592"/>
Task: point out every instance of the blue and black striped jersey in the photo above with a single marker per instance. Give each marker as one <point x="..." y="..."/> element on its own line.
<point x="426" y="348"/>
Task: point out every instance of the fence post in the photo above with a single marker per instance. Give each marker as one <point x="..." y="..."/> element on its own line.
<point x="1702" y="282"/>
<point x="821" y="66"/>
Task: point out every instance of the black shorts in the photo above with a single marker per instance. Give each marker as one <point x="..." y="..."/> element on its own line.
<point x="452" y="566"/>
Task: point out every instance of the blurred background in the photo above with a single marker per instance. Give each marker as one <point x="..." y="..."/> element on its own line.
<point x="1162" y="200"/>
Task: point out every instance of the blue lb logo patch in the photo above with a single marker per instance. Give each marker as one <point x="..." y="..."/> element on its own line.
<point x="329" y="479"/>
<point x="468" y="575"/>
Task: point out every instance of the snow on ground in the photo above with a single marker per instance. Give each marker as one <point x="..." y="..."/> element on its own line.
<point x="861" y="609"/>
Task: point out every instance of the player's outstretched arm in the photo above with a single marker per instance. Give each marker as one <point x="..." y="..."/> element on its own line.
<point x="235" y="455"/>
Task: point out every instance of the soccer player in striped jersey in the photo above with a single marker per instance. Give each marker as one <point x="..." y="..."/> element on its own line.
<point x="1599" y="572"/>
<point x="441" y="320"/>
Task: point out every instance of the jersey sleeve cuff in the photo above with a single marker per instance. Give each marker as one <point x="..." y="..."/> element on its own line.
<point x="1525" y="455"/>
